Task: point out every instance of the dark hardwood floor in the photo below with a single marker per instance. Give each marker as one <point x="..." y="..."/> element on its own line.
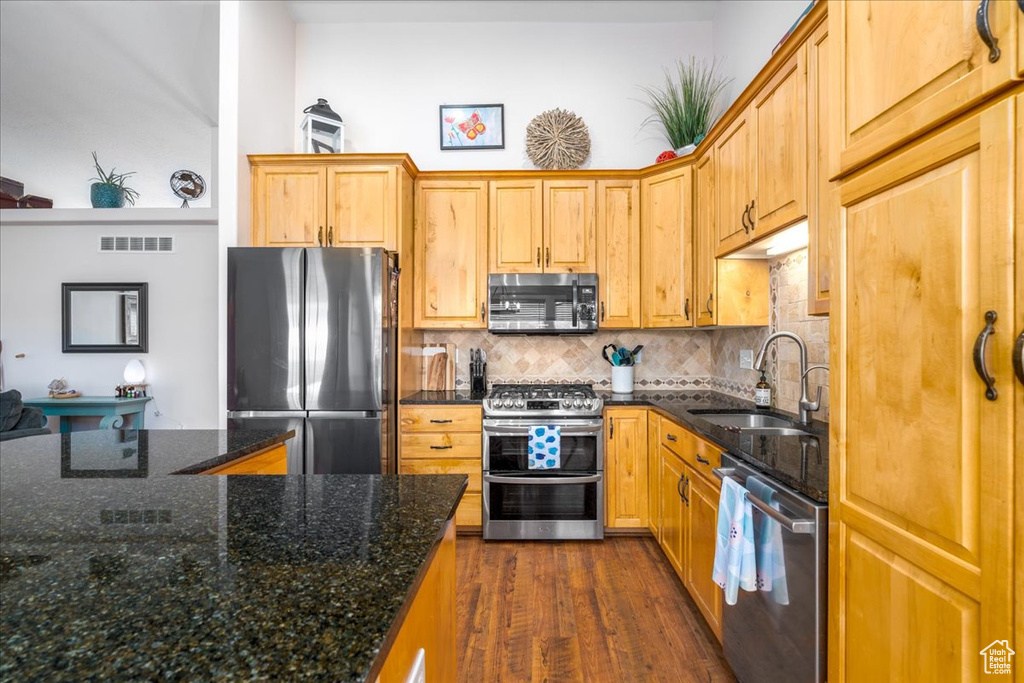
<point x="576" y="611"/>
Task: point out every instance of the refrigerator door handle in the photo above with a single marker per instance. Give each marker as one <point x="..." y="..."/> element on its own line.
<point x="343" y="414"/>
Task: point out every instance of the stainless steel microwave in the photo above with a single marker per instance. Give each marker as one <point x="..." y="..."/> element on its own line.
<point x="542" y="303"/>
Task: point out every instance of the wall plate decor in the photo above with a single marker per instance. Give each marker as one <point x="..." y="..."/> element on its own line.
<point x="557" y="140"/>
<point x="472" y="126"/>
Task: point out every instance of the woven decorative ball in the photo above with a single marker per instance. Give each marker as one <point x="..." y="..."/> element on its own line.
<point x="557" y="140"/>
<point x="665" y="156"/>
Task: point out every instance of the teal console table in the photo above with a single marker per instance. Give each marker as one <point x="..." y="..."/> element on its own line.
<point x="110" y="409"/>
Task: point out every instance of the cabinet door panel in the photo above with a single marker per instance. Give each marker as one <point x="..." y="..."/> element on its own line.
<point x="822" y="210"/>
<point x="569" y="236"/>
<point x="705" y="243"/>
<point x="516" y="226"/>
<point x="654" y="473"/>
<point x="903" y="66"/>
<point x="780" y="113"/>
<point x="618" y="253"/>
<point x="667" y="247"/>
<point x="734" y="184"/>
<point x="672" y="515"/>
<point x="362" y="203"/>
<point x="924" y="540"/>
<point x="626" y="467"/>
<point x="451" y="254"/>
<point x="701" y="530"/>
<point x="288" y="205"/>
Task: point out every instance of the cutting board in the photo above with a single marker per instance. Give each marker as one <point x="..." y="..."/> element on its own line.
<point x="439" y="367"/>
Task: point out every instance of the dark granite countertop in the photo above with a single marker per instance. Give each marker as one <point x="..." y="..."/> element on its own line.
<point x="798" y="462"/>
<point x="114" y="567"/>
<point x="456" y="397"/>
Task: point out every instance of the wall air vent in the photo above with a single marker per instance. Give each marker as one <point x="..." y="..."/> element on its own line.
<point x="130" y="244"/>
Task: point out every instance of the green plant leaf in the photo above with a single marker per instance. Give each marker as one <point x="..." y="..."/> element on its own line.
<point x="685" y="107"/>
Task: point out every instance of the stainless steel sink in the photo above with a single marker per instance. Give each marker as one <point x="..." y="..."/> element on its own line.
<point x="744" y="420"/>
<point x="775" y="431"/>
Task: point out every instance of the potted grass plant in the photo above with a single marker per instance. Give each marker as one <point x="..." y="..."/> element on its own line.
<point x="685" y="108"/>
<point x="109" y="191"/>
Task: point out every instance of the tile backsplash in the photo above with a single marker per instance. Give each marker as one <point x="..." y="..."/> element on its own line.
<point x="672" y="359"/>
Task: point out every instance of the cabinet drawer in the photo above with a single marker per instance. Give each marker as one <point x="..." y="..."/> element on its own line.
<point x="469" y="467"/>
<point x="441" y="419"/>
<point x="703" y="458"/>
<point x="442" y="445"/>
<point x="470" y="510"/>
<point x="676" y="438"/>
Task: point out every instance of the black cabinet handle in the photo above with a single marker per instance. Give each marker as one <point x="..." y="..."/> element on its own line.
<point x="686" y="498"/>
<point x="330" y="236"/>
<point x="670" y="437"/>
<point x="483" y="312"/>
<point x="750" y="216"/>
<point x="1018" y="347"/>
<point x="440" y="422"/>
<point x="743" y="219"/>
<point x="686" y="308"/>
<point x="985" y="31"/>
<point x="538" y="257"/>
<point x="710" y="296"/>
<point x="703" y="461"/>
<point x="679" y="487"/>
<point x="602" y="303"/>
<point x="440" y="448"/>
<point x="979" y="355"/>
<point x="320" y="237"/>
<point x="611" y="427"/>
<point x="547" y="256"/>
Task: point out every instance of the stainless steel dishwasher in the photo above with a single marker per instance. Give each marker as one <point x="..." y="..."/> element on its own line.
<point x="765" y="641"/>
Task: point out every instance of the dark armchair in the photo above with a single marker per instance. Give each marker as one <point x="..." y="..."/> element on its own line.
<point x="17" y="421"/>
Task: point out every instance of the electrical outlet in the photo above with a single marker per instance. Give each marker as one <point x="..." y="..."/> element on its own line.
<point x="747" y="359"/>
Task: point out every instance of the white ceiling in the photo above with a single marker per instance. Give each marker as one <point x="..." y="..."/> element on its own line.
<point x="595" y="11"/>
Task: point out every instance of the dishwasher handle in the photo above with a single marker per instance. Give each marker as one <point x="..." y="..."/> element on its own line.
<point x="796" y="526"/>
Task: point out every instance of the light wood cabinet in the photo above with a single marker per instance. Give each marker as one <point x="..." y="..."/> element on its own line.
<point x="673" y="515"/>
<point x="654" y="474"/>
<point x="445" y="439"/>
<point x="779" y="113"/>
<point x="921" y="545"/>
<point x="516" y="226"/>
<point x="362" y="204"/>
<point x="902" y="67"/>
<point x="822" y="210"/>
<point x="618" y="253"/>
<point x="666" y="239"/>
<point x="701" y="508"/>
<point x="705" y="242"/>
<point x="569" y="235"/>
<point x="734" y="184"/>
<point x="270" y="461"/>
<point x="288" y="205"/>
<point x="1018" y="332"/>
<point x="625" y="467"/>
<point x="450" y="267"/>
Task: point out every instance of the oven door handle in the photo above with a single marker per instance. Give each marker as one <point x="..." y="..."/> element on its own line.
<point x="525" y="431"/>
<point x="590" y="479"/>
<point x="796" y="526"/>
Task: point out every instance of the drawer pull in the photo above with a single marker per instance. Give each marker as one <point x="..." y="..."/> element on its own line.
<point x="670" y="437"/>
<point x="440" y="448"/>
<point x="703" y="461"/>
<point x="440" y="422"/>
<point x="985" y="31"/>
<point x="1018" y="347"/>
<point x="979" y="356"/>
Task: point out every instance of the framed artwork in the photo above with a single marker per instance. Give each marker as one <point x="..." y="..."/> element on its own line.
<point x="472" y="126"/>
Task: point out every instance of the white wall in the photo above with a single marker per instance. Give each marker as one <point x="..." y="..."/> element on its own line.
<point x="134" y="81"/>
<point x="745" y="31"/>
<point x="386" y="80"/>
<point x="181" y="365"/>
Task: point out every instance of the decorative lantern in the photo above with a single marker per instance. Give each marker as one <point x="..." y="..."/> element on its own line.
<point x="323" y="131"/>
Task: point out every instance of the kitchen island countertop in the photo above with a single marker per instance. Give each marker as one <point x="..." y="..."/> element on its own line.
<point x="114" y="566"/>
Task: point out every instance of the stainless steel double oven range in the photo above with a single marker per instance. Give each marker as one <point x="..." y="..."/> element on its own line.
<point x="561" y="503"/>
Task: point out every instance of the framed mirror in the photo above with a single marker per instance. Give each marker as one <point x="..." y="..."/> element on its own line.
<point x="105" y="317"/>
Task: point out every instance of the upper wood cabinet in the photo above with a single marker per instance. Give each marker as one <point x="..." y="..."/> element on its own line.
<point x="734" y="184"/>
<point x="626" y="467"/>
<point x="320" y="200"/>
<point x="288" y="207"/>
<point x="902" y="67"/>
<point x="451" y="254"/>
<point x="924" y="238"/>
<point x="779" y="113"/>
<point x="618" y="253"/>
<point x="569" y="236"/>
<point x="822" y="209"/>
<point x="516" y="226"/>
<point x="666" y="239"/>
<point x="362" y="203"/>
<point x="705" y="242"/>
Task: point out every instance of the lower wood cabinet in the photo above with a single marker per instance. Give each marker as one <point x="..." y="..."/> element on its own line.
<point x="673" y="515"/>
<point x="446" y="439"/>
<point x="625" y="467"/>
<point x="653" y="474"/>
<point x="701" y="506"/>
<point x="270" y="461"/>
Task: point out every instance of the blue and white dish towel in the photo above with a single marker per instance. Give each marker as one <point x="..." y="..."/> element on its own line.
<point x="771" y="563"/>
<point x="545" y="447"/>
<point x="735" y="566"/>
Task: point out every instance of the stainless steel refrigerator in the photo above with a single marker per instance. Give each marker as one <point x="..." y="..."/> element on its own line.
<point x="310" y="340"/>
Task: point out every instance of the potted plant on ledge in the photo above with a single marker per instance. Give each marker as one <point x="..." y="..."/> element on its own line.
<point x="109" y="191"/>
<point x="685" y="109"/>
